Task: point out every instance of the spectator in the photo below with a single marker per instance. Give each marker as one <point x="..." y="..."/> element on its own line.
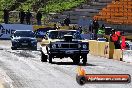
<point x="93" y="36"/>
<point x="95" y="26"/>
<point x="67" y="21"/>
<point x="74" y="28"/>
<point x="6" y="16"/>
<point x="91" y="27"/>
<point x="123" y="43"/>
<point x="55" y="27"/>
<point x="115" y="38"/>
<point x="22" y="16"/>
<point x="81" y="6"/>
<point x="39" y="17"/>
<point x="101" y="31"/>
<point x="28" y="17"/>
<point x="80" y="29"/>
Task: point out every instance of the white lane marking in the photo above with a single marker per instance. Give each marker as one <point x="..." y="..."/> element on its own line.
<point x="100" y="67"/>
<point x="5" y="78"/>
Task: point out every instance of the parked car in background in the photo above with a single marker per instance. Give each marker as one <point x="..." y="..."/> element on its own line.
<point x="102" y="39"/>
<point x="41" y="32"/>
<point x="23" y="39"/>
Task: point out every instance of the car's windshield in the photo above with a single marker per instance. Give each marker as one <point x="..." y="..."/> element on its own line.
<point x="23" y="34"/>
<point x="60" y="34"/>
<point x="42" y="31"/>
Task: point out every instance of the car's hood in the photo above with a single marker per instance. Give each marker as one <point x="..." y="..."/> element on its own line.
<point x="57" y="40"/>
<point x="45" y="42"/>
<point x="83" y="40"/>
<point x="18" y="38"/>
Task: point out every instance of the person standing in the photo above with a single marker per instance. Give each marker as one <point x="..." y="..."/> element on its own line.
<point x="123" y="43"/>
<point x="6" y="16"/>
<point x="28" y="17"/>
<point x="95" y="26"/>
<point x="55" y="27"/>
<point x="39" y="17"/>
<point x="22" y="16"/>
<point x="115" y="38"/>
<point x="91" y="26"/>
<point x="80" y="29"/>
<point x="101" y="31"/>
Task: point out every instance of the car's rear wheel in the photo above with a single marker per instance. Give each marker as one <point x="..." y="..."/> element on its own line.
<point x="13" y="48"/>
<point x="50" y="58"/>
<point x="43" y="57"/>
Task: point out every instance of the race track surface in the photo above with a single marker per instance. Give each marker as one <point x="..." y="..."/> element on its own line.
<point x="23" y="69"/>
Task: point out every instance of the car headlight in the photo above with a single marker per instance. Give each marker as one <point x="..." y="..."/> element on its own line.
<point x="54" y="46"/>
<point x="84" y="46"/>
<point x="79" y="46"/>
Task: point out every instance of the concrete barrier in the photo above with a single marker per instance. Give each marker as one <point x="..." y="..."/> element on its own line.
<point x="93" y="47"/>
<point x="107" y="49"/>
<point x="127" y="55"/>
<point x="104" y="49"/>
<point x="118" y="54"/>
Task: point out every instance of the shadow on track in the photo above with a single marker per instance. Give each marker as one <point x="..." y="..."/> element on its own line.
<point x="71" y="63"/>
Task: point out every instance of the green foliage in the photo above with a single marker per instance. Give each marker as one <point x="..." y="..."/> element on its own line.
<point x="43" y="5"/>
<point x="6" y="4"/>
<point x="51" y="5"/>
<point x="62" y="5"/>
<point x="46" y="5"/>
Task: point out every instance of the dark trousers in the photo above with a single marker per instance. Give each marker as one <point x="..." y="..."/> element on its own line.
<point x="28" y="21"/>
<point x="38" y="22"/>
<point x="6" y="20"/>
<point x="117" y="45"/>
<point x="21" y="20"/>
<point x="67" y="24"/>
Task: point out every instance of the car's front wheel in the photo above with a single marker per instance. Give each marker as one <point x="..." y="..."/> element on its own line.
<point x="76" y="60"/>
<point x="84" y="59"/>
<point x="43" y="57"/>
<point x="35" y="48"/>
<point x="50" y="58"/>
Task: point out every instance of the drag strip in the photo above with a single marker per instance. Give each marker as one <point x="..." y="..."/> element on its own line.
<point x="25" y="70"/>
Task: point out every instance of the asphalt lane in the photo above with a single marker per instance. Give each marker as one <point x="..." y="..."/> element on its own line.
<point x="23" y="69"/>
